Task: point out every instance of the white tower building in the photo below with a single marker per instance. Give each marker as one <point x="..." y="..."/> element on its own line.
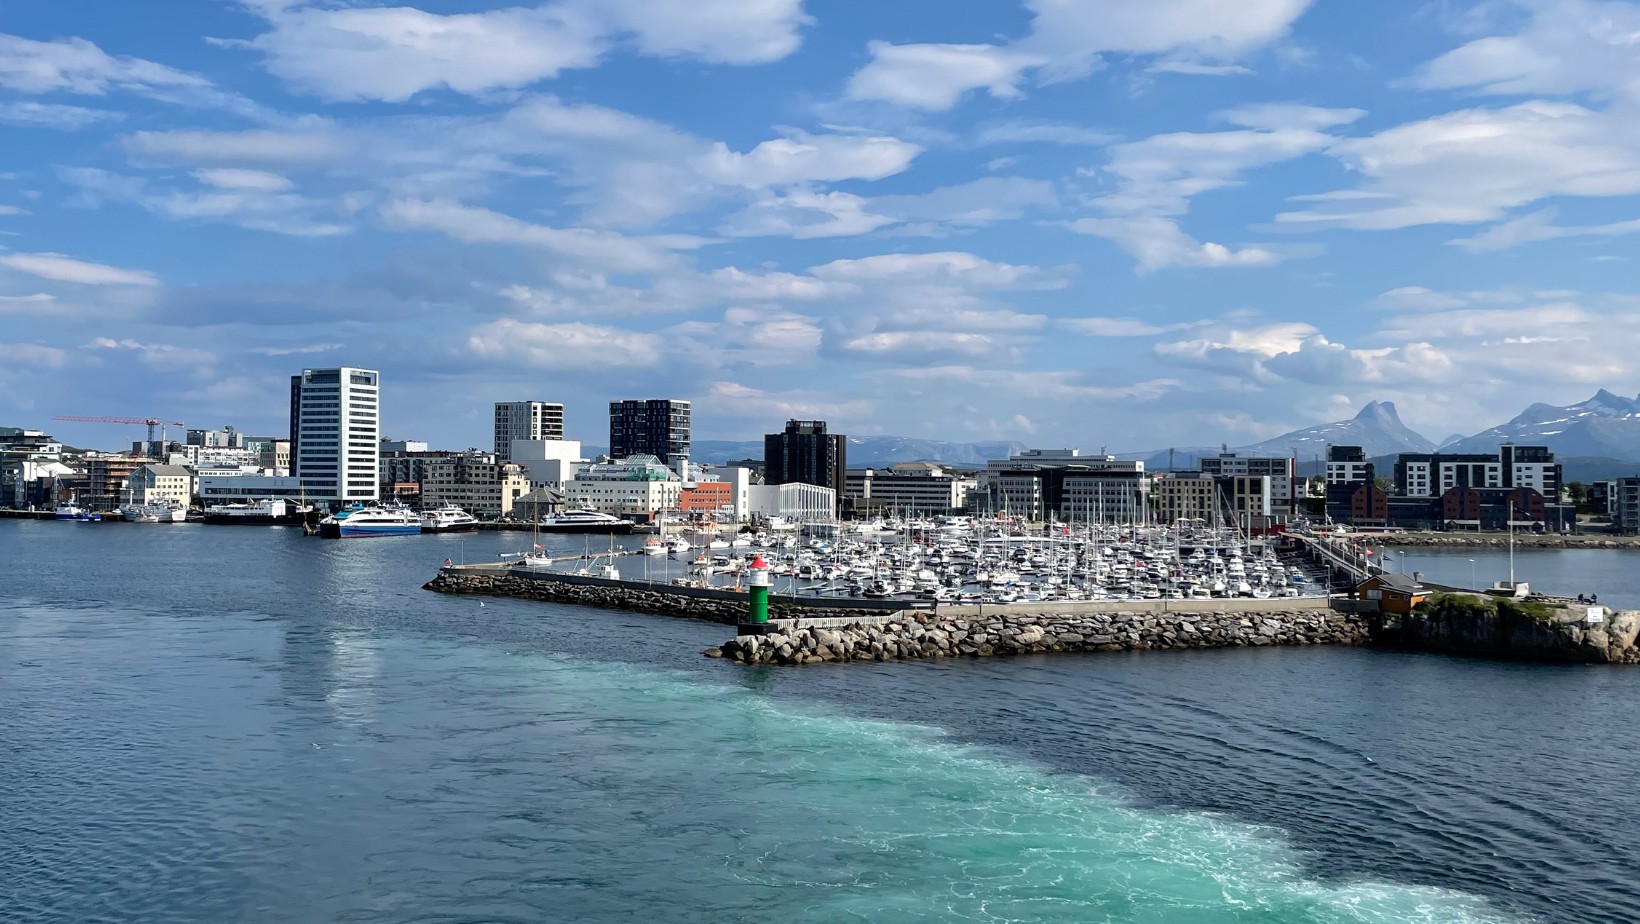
<point x="335" y="432"/>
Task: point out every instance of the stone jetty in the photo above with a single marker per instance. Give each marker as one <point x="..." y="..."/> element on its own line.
<point x="714" y="605"/>
<point x="924" y="635"/>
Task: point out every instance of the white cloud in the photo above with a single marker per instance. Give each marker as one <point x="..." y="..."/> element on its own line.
<point x="1159" y="243"/>
<point x="54" y="115"/>
<point x="1299" y="352"/>
<point x="804" y="158"/>
<point x="1066" y="40"/>
<point x="946" y="267"/>
<point x="1417" y="298"/>
<point x="1475" y="165"/>
<point x="1122" y="327"/>
<point x="1289" y="116"/>
<point x="601" y="249"/>
<point x="915" y="344"/>
<point x="719" y="31"/>
<point x="936" y="76"/>
<point x="804" y="214"/>
<point x="575" y="346"/>
<point x="1538" y="226"/>
<point x="1563" y="47"/>
<point x="1023" y="131"/>
<point x="393" y="53"/>
<point x="12" y="210"/>
<point x="759" y="404"/>
<point x="74" y="65"/>
<point x="256" y="148"/>
<point x="67" y="269"/>
<point x="157" y="354"/>
<point x="235" y="178"/>
<point x="808" y="213"/>
<point x="32" y="354"/>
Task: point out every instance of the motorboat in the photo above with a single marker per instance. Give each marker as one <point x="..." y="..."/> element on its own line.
<point x="586" y="521"/>
<point x="73" y="511"/>
<point x="371" y="522"/>
<point x="448" y="519"/>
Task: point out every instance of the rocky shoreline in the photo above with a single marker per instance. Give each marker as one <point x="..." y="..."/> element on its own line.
<point x="919" y="635"/>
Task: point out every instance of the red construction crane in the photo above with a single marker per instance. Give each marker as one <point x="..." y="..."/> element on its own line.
<point x="151" y="423"/>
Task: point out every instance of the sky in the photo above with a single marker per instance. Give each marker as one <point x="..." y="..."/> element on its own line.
<point x="1128" y="224"/>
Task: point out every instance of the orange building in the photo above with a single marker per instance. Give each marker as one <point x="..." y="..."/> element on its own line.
<point x="707" y="497"/>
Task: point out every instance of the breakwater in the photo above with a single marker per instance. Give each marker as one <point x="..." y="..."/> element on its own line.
<point x="1501" y="628"/>
<point x="712" y="604"/>
<point x="923" y="635"/>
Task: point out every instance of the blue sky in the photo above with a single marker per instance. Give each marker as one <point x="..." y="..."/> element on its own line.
<point x="1122" y="223"/>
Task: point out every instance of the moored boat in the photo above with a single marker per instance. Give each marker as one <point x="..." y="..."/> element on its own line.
<point x="448" y="519"/>
<point x="586" y="521"/>
<point x="371" y="522"/>
<point x="255" y="513"/>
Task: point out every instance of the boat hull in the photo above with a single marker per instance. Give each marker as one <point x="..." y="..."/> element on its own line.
<point x="370" y="531"/>
<point x="451" y="528"/>
<point x="602" y="529"/>
<point x="253" y="519"/>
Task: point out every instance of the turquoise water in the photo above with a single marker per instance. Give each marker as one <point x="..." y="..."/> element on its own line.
<point x="209" y="725"/>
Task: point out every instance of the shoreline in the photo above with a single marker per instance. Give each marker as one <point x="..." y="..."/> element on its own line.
<point x="1497" y="540"/>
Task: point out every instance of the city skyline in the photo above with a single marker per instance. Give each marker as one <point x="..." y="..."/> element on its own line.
<point x="1054" y="223"/>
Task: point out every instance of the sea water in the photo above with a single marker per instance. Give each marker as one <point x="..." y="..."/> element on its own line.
<point x="209" y="724"/>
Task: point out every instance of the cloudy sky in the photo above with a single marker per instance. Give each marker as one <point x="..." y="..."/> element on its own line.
<point x="1123" y="223"/>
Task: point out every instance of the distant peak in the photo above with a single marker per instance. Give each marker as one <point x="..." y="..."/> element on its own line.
<point x="1379" y="410"/>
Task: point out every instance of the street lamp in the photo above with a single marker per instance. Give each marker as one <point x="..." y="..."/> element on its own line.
<point x="1472" y="574"/>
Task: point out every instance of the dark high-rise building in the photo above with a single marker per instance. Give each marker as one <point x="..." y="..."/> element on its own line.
<point x="657" y="427"/>
<point x="806" y="454"/>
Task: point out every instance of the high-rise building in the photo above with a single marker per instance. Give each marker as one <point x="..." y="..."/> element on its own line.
<point x="525" y="420"/>
<point x="657" y="427"/>
<point x="335" y="419"/>
<point x="806" y="454"/>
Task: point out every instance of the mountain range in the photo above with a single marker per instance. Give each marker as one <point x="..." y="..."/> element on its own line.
<point x="1605" y="426"/>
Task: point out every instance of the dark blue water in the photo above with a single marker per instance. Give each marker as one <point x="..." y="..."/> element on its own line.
<point x="222" y="724"/>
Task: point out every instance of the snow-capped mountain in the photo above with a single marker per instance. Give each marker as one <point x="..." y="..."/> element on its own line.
<point x="1606" y="425"/>
<point x="1377" y="429"/>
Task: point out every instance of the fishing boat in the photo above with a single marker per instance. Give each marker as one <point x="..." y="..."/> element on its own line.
<point x="155" y="512"/>
<point x="371" y="522"/>
<point x="448" y="519"/>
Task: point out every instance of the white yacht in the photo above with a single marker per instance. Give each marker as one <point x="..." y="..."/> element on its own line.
<point x="448" y="519"/>
<point x="586" y="521"/>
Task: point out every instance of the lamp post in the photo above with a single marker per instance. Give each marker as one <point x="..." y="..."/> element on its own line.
<point x="1472" y="574"/>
